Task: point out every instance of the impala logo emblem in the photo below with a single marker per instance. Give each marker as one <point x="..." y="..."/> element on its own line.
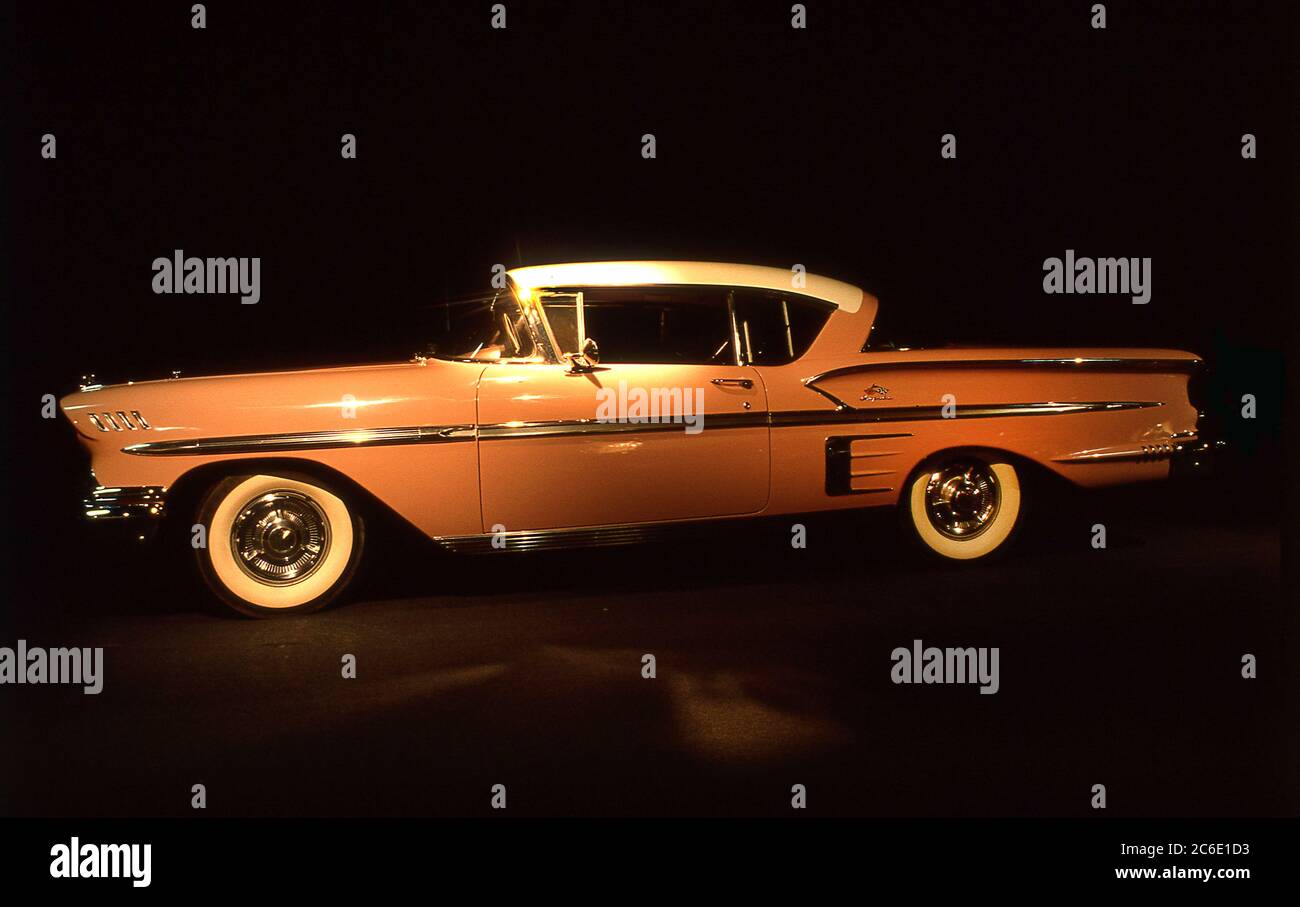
<point x="876" y="392"/>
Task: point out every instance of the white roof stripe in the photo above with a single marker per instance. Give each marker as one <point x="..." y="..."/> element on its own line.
<point x="649" y="273"/>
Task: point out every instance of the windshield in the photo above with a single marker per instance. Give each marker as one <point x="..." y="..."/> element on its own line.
<point x="485" y="328"/>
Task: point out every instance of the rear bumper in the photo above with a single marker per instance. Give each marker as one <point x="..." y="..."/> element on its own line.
<point x="1194" y="458"/>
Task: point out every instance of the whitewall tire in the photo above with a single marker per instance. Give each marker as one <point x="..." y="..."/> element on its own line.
<point x="963" y="507"/>
<point x="278" y="544"/>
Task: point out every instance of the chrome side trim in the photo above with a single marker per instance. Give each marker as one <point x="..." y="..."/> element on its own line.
<point x="553" y="539"/>
<point x="440" y="434"/>
<point x="840" y="405"/>
<point x="1161" y="450"/>
<point x="1090" y="363"/>
<point x="566" y="427"/>
<point x="1104" y="363"/>
<point x="932" y="412"/>
<point x="1145" y="452"/>
<point x="800" y="418"/>
<point x="311" y="440"/>
<point x="1114" y="363"/>
<point x="584" y="536"/>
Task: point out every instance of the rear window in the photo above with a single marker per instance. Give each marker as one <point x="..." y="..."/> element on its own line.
<point x="776" y="328"/>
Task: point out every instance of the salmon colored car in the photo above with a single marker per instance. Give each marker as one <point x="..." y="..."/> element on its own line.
<point x="593" y="403"/>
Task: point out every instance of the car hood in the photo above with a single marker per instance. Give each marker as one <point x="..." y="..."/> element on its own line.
<point x="366" y="396"/>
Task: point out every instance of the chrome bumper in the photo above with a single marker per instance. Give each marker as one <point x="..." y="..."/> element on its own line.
<point x="1193" y="458"/>
<point x="131" y="502"/>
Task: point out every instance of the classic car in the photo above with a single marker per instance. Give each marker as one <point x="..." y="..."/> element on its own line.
<point x="594" y="403"/>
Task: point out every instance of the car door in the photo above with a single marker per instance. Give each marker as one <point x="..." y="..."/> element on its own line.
<point x="683" y="436"/>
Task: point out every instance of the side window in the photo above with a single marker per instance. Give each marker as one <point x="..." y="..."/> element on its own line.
<point x="653" y="325"/>
<point x="776" y="328"/>
<point x="488" y="328"/>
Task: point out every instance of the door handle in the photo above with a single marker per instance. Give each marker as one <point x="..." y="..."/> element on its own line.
<point x="746" y="383"/>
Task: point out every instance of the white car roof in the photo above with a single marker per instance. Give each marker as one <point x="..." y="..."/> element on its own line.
<point x="711" y="273"/>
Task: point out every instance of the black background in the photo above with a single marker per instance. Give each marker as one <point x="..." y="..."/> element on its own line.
<point x="521" y="146"/>
<point x="775" y="146"/>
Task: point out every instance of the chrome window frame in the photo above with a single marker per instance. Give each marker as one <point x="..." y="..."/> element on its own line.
<point x="555" y="358"/>
<point x="741" y="354"/>
<point x="539" y="329"/>
<point x="738" y="358"/>
<point x="785" y="298"/>
<point x="540" y="347"/>
<point x="541" y="296"/>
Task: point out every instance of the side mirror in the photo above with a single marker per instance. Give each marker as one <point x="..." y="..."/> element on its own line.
<point x="586" y="361"/>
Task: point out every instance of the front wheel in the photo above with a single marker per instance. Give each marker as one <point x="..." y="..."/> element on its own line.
<point x="963" y="507"/>
<point x="278" y="544"/>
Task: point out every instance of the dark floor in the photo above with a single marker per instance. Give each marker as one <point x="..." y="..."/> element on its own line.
<point x="1118" y="666"/>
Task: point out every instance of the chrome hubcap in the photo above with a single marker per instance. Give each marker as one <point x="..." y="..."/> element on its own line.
<point x="961" y="499"/>
<point x="280" y="537"/>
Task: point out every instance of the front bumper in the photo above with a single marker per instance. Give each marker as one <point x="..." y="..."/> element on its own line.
<point x="134" y="503"/>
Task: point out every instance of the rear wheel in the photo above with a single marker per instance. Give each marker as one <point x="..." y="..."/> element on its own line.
<point x="278" y="544"/>
<point x="963" y="507"/>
